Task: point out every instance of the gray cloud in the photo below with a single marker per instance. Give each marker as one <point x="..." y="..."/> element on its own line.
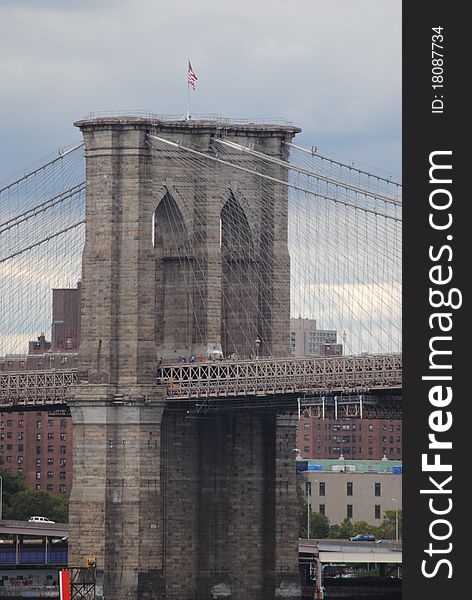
<point x="332" y="67"/>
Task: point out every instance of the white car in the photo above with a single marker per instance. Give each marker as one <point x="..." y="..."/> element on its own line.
<point x="39" y="520"/>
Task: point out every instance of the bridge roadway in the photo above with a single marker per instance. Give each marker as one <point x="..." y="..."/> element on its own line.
<point x="328" y="550"/>
<point x="227" y="379"/>
<point x="345" y="551"/>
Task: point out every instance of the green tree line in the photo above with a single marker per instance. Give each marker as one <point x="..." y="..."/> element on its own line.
<point x="20" y="502"/>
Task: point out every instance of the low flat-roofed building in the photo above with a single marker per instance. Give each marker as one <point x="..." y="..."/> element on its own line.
<point x="358" y="490"/>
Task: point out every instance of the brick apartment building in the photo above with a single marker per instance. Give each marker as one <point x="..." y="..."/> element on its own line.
<point x="361" y="439"/>
<point x="38" y="443"/>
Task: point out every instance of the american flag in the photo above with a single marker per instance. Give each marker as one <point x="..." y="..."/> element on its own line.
<point x="192" y="78"/>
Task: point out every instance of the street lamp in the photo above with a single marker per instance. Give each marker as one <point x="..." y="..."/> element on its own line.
<point x="258" y="343"/>
<point x="396" y="518"/>
<point x="308" y="494"/>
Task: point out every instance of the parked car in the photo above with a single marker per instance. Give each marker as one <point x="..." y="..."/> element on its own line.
<point x="363" y="537"/>
<point x="36" y="519"/>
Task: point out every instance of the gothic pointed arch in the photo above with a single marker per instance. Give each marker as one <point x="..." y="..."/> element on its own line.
<point x="173" y="278"/>
<point x="239" y="281"/>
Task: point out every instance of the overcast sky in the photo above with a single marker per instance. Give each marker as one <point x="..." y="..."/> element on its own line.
<point x="332" y="67"/>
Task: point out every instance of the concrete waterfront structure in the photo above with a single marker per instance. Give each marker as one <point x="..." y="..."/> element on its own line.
<point x="173" y="506"/>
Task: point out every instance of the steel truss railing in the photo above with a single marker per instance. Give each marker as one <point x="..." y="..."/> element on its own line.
<point x="35" y="387"/>
<point x="223" y="379"/>
<point x="282" y="376"/>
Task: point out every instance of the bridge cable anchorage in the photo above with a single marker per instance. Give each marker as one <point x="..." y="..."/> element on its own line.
<point x="309" y="173"/>
<point x="314" y="153"/>
<point x="270" y="178"/>
<point x="61" y="156"/>
<point x="32" y="212"/>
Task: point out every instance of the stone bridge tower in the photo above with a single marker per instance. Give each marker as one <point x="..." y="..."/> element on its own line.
<point x="171" y="505"/>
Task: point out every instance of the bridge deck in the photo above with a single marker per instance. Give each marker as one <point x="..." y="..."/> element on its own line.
<point x="228" y="379"/>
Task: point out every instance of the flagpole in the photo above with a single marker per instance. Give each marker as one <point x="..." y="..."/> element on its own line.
<point x="188" y="95"/>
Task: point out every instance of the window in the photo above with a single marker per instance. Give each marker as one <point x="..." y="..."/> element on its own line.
<point x="62" y="462"/>
<point x="322" y="489"/>
<point x="38" y="474"/>
<point x="9" y="435"/>
<point x="21" y="364"/>
<point x="38" y="437"/>
<point x="62" y="488"/>
<point x="50" y="474"/>
<point x="38" y="486"/>
<point x="349" y="511"/>
<point x="371" y="451"/>
<point x="20" y="435"/>
<point x="38" y="462"/>
<point x="9" y="423"/>
<point x="50" y="461"/>
<point x="63" y="423"/>
<point x="9" y="446"/>
<point x="378" y="489"/>
<point x="20" y="460"/>
<point x="322" y="509"/>
<point x="49" y="487"/>
<point x="50" y="448"/>
<point x="38" y="424"/>
<point x="377" y="511"/>
<point x="305" y="437"/>
<point x="371" y="428"/>
<point x="20" y="447"/>
<point x="21" y="423"/>
<point x="371" y="438"/>
<point x="38" y="449"/>
<point x="62" y="475"/>
<point x="9" y="458"/>
<point x="305" y="448"/>
<point x="306" y="425"/>
<point x="349" y="488"/>
<point x="50" y="436"/>
<point x="62" y="449"/>
<point x="40" y="362"/>
<point x="50" y="423"/>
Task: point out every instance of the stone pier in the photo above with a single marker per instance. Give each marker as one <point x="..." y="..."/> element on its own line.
<point x="180" y="258"/>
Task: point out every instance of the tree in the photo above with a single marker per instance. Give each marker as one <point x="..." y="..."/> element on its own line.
<point x="387" y="529"/>
<point x="319" y="525"/>
<point x="302" y="508"/>
<point x="34" y="502"/>
<point x="342" y="530"/>
<point x="11" y="485"/>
